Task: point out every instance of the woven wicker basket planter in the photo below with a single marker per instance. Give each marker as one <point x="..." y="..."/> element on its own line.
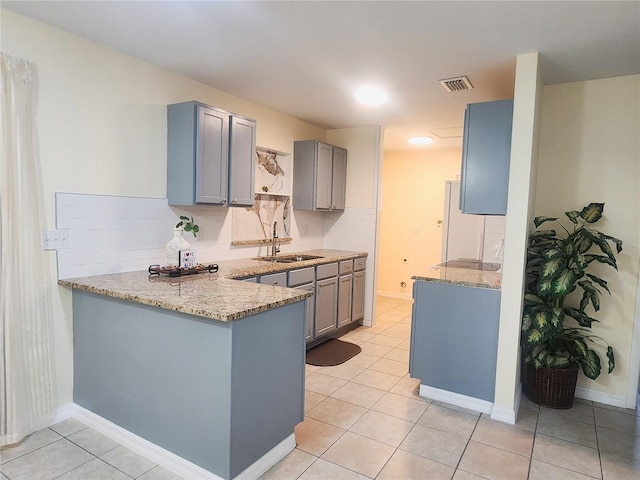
<point x="552" y="387"/>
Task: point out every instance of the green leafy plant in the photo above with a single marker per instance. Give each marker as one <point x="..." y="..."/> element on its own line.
<point x="557" y="265"/>
<point x="188" y="225"/>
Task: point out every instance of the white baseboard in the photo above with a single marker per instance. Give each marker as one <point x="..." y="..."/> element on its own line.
<point x="404" y="296"/>
<point x="457" y="399"/>
<point x="63" y="412"/>
<point x="170" y="460"/>
<point x="143" y="447"/>
<point x="508" y="415"/>
<point x="269" y="459"/>
<point x="601" y="397"/>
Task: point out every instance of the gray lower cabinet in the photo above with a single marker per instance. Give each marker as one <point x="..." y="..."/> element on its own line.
<point x="311" y="307"/>
<point x="454" y="338"/>
<point x="279" y="279"/>
<point x="305" y="279"/>
<point x="326" y="299"/>
<point x="128" y="355"/>
<point x="358" y="296"/>
<point x="345" y="289"/>
<point x="345" y="292"/>
<point x="210" y="156"/>
<point x="319" y="176"/>
<point x="486" y="153"/>
<point x="338" y="298"/>
<point x="326" y="306"/>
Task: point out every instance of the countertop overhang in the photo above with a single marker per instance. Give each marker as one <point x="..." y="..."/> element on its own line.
<point x="218" y="296"/>
<point x="462" y="276"/>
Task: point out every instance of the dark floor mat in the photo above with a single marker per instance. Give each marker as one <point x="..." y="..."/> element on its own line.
<point x="332" y="352"/>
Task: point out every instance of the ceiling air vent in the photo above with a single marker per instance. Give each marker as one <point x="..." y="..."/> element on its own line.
<point x="456" y="84"/>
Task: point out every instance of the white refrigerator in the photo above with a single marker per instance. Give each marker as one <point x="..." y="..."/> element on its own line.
<point x="462" y="234"/>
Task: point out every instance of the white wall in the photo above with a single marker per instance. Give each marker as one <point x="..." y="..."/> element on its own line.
<point x="590" y="152"/>
<point x="102" y="126"/>
<point x="356" y="228"/>
<point x="521" y="197"/>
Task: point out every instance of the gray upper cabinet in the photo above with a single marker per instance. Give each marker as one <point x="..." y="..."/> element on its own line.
<point x="210" y="156"/>
<point x="323" y="171"/>
<point x="486" y="150"/>
<point x="242" y="151"/>
<point x="319" y="176"/>
<point x="339" y="179"/>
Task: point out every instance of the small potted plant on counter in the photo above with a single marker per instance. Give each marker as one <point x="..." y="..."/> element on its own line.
<point x="188" y="225"/>
<point x="178" y="243"/>
<point x="556" y="336"/>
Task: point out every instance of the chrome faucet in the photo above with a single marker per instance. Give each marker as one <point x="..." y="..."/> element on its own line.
<point x="274" y="248"/>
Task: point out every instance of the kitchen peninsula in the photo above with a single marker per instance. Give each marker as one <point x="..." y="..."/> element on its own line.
<point x="454" y="335"/>
<point x="205" y="366"/>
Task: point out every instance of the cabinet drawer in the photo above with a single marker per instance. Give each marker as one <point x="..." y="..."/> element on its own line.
<point x="275" y="279"/>
<point x="360" y="263"/>
<point x="326" y="271"/>
<point x="346" y="266"/>
<point x="250" y="279"/>
<point x="300" y="276"/>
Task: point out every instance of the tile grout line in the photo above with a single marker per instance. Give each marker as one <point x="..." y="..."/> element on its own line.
<point x="533" y="444"/>
<point x="467" y="446"/>
<point x="595" y="427"/>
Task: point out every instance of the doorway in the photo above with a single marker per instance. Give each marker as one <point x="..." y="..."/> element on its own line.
<point x="412" y="206"/>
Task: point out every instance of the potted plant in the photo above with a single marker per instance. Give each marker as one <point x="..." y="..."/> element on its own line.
<point x="178" y="243"/>
<point x="556" y="338"/>
<point x="188" y="225"/>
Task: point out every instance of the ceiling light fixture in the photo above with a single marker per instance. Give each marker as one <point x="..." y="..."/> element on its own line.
<point x="420" y="140"/>
<point x="371" y="96"/>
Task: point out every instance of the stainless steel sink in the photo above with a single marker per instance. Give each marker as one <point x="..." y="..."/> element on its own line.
<point x="288" y="258"/>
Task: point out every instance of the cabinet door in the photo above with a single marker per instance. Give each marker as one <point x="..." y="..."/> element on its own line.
<point x="326" y="305"/>
<point x="242" y="151"/>
<point x="467" y="317"/>
<point x="339" y="179"/>
<point x="324" y="169"/>
<point x="211" y="156"/>
<point x="345" y="292"/>
<point x="358" y="296"/>
<point x="310" y="312"/>
<point x="486" y="152"/>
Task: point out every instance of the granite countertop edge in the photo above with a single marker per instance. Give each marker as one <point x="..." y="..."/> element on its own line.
<point x="462" y="277"/>
<point x="217" y="296"/>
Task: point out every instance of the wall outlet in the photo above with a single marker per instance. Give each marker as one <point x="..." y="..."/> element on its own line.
<point x="55" y="239"/>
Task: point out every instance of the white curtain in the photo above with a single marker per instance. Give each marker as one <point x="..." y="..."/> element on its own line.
<point x="26" y="391"/>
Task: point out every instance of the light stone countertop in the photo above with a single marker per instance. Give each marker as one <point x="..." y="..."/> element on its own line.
<point x="217" y="296"/>
<point x="462" y="276"/>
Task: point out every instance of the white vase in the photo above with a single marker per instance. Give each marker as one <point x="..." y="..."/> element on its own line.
<point x="174" y="246"/>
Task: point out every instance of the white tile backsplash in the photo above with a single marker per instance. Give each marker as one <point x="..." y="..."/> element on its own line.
<point x="494" y="226"/>
<point x="111" y="234"/>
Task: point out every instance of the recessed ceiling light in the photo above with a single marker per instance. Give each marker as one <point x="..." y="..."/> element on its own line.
<point x="371" y="96"/>
<point x="421" y="140"/>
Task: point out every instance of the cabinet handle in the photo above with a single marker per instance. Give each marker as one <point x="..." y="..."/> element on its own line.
<point x="235" y="200"/>
<point x="222" y="202"/>
<point x="275" y="283"/>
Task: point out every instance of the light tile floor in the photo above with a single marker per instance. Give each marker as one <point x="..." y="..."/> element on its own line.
<point x="364" y="420"/>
